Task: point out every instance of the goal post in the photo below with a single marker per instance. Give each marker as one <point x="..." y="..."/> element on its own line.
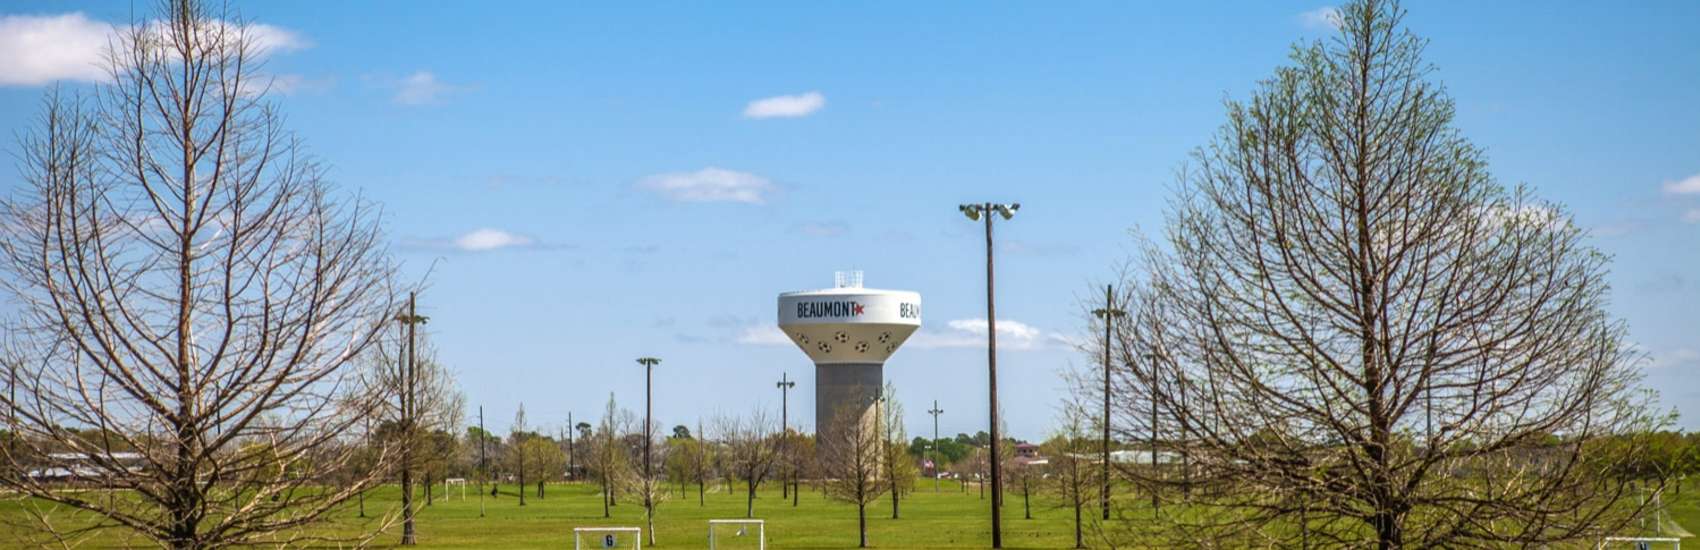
<point x="1640" y="543"/>
<point x="743" y="527"/>
<point x="607" y="537"/>
<point x="453" y="481"/>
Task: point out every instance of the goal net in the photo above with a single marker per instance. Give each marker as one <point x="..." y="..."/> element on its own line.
<point x="730" y="534"/>
<point x="1641" y="543"/>
<point x="587" y="538"/>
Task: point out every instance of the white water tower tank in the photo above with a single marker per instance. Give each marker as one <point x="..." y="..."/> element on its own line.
<point x="849" y="332"/>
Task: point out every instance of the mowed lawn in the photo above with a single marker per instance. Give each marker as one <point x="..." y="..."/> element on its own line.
<point x="948" y="519"/>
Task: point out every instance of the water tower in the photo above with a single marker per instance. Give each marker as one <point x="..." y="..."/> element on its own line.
<point x="849" y="332"/>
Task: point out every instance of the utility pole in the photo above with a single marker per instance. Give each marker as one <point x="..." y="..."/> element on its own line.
<point x="572" y="464"/>
<point x="1108" y="313"/>
<point x="785" y="386"/>
<point x="1151" y="383"/>
<point x="482" y="473"/>
<point x="648" y="441"/>
<point x="935" y="411"/>
<point x="975" y="212"/>
<point x="409" y="373"/>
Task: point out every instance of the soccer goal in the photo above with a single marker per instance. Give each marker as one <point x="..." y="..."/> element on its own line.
<point x="454" y="481"/>
<point x="738" y="533"/>
<point x="1640" y="543"/>
<point x="608" y="537"/>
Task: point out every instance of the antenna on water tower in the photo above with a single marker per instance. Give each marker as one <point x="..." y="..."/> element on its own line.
<point x="847" y="279"/>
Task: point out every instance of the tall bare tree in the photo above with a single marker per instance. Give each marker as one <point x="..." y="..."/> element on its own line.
<point x="851" y="472"/>
<point x="1356" y="336"/>
<point x="751" y="452"/>
<point x="189" y="287"/>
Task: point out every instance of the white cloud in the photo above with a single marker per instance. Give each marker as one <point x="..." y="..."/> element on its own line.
<point x="421" y="88"/>
<point x="485" y="239"/>
<point x="36" y="50"/>
<point x="971" y="333"/>
<point x="785" y="106"/>
<point x="1323" y="18"/>
<point x="1691" y="215"/>
<point x="1681" y="357"/>
<point x="268" y="39"/>
<point x="763" y="335"/>
<point x="709" y="185"/>
<point x="1686" y="186"/>
<point x="284" y="84"/>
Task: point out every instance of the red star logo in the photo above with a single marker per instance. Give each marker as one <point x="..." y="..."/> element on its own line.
<point x="855" y="308"/>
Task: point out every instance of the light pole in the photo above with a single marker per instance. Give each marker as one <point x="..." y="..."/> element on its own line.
<point x="975" y="212"/>
<point x="1108" y="313"/>
<point x="935" y="411"/>
<point x="648" y="441"/>
<point x="785" y="385"/>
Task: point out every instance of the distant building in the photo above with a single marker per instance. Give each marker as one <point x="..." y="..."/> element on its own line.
<point x="1027" y="454"/>
<point x="74" y="467"/>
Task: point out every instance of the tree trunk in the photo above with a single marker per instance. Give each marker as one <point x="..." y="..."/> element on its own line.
<point x="750" y="503"/>
<point x="702" y="487"/>
<point x="1026" y="506"/>
<point x="1077" y="537"/>
<point x="1387" y="532"/>
<point x="894" y="497"/>
<point x="539" y="488"/>
<point x="428" y="492"/>
<point x="606" y="499"/>
<point x="862" y="525"/>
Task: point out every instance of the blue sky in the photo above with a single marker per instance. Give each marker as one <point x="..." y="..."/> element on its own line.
<point x="596" y="183"/>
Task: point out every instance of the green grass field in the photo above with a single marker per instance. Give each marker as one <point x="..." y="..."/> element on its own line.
<point x="948" y="519"/>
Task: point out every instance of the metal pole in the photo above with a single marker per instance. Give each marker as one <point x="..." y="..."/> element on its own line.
<point x="935" y="411"/>
<point x="992" y="386"/>
<point x="482" y="473"/>
<point x="785" y="386"/>
<point x="572" y="456"/>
